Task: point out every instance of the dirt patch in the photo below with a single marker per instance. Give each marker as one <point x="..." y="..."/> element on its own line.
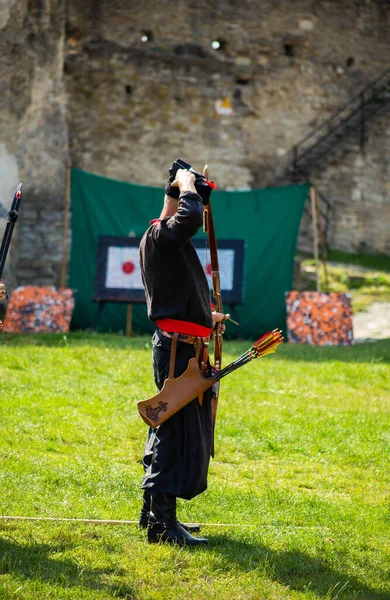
<point x="372" y="324"/>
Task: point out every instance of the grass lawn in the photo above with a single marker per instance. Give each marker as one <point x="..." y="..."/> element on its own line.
<point x="300" y="480"/>
<point x="367" y="281"/>
<point x="370" y="261"/>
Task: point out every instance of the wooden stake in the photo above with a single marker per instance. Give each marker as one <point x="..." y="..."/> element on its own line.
<point x="324" y="256"/>
<point x="129" y="320"/>
<point x="315" y="235"/>
<point x="65" y="246"/>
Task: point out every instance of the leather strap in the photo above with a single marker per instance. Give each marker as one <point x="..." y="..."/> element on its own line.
<point x="187" y="339"/>
<point x="198" y="347"/>
<point x="204" y="357"/>
<point x="173" y="356"/>
<point x="199" y="358"/>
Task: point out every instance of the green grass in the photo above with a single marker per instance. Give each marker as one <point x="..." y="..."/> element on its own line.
<point x="370" y="261"/>
<point x="373" y="262"/>
<point x="365" y="286"/>
<point x="301" y="475"/>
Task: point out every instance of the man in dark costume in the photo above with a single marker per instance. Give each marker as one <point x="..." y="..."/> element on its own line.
<point x="177" y="453"/>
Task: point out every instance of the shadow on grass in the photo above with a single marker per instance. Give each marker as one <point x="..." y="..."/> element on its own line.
<point x="34" y="561"/>
<point x="294" y="569"/>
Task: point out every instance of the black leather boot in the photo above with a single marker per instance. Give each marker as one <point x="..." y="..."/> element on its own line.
<point x="145" y="510"/>
<point x="145" y="515"/>
<point x="164" y="527"/>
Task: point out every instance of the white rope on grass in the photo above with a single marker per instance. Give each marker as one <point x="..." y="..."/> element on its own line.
<point x="123" y="522"/>
<point x="103" y="521"/>
<point x="94" y="521"/>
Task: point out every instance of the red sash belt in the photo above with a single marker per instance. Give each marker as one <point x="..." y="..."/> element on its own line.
<point x="186" y="327"/>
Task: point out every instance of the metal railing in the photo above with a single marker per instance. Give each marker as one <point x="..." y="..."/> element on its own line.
<point x="348" y="119"/>
<point x="356" y="112"/>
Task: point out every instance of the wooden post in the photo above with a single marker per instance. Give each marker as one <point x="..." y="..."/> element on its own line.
<point x="315" y="235"/>
<point x="65" y="245"/>
<point x="129" y="320"/>
<point x="324" y="256"/>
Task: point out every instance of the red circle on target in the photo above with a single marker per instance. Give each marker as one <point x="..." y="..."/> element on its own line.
<point x="208" y="269"/>
<point x="128" y="267"/>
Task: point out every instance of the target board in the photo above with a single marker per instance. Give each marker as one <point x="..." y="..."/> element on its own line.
<point x="118" y="272"/>
<point x="319" y="318"/>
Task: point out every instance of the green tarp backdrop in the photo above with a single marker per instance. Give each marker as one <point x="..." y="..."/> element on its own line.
<point x="267" y="219"/>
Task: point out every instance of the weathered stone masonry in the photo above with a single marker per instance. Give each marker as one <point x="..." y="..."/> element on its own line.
<point x="81" y="76"/>
<point x="33" y="133"/>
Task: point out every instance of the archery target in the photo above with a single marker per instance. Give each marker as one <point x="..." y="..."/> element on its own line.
<point x="123" y="268"/>
<point x="226" y="267"/>
<point x="118" y="274"/>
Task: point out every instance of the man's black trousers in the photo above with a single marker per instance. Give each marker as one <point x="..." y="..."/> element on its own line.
<point x="177" y="453"/>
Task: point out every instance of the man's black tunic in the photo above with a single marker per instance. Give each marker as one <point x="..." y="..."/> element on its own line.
<point x="177" y="453"/>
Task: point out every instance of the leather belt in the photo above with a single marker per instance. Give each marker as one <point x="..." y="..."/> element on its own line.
<point x="187" y="339"/>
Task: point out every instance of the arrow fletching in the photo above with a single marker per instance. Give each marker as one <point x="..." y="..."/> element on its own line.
<point x="267" y="344"/>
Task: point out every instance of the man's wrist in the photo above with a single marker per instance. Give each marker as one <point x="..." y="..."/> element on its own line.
<point x="186" y="181"/>
<point x="188" y="187"/>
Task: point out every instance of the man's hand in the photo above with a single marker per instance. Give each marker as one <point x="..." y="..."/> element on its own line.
<point x="185" y="181"/>
<point x="3" y="292"/>
<point x="218" y="317"/>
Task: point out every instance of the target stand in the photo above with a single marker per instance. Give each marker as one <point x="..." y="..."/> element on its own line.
<point x="118" y="276"/>
<point x="118" y="273"/>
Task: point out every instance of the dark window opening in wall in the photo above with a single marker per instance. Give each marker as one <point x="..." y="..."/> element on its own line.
<point x="128" y="90"/>
<point x="363" y="246"/>
<point x="350" y="62"/>
<point x="146" y="36"/>
<point x="289" y="49"/>
<point x="66" y="67"/>
<point x="191" y="50"/>
<point x="72" y="32"/>
<point x="242" y="81"/>
<point x="219" y="45"/>
<point x="73" y="38"/>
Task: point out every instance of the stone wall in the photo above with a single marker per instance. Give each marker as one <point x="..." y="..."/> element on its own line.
<point x="281" y="69"/>
<point x="358" y="187"/>
<point x="33" y="135"/>
<point x="81" y="75"/>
